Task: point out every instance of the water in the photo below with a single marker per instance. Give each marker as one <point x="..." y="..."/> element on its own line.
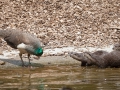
<point x="57" y="77"/>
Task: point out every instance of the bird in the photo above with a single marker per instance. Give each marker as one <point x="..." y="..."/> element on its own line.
<point x="24" y="42"/>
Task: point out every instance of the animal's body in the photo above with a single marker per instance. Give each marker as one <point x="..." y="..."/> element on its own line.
<point x="80" y="57"/>
<point x="24" y="42"/>
<point x="101" y="59"/>
<point x="85" y="58"/>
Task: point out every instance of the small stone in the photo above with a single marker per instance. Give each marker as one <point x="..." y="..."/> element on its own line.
<point x="46" y="85"/>
<point x="1" y="53"/>
<point x="49" y="62"/>
<point x="2" y="63"/>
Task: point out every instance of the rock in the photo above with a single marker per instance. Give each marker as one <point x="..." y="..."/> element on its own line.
<point x="1" y="51"/>
<point x="2" y="63"/>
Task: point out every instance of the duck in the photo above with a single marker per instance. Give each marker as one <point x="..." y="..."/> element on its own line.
<point x="24" y="42"/>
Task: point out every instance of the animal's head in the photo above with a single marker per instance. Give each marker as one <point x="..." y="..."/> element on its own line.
<point x="83" y="57"/>
<point x="38" y="51"/>
<point x="78" y="56"/>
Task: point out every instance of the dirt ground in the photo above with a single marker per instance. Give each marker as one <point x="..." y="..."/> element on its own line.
<point x="48" y="60"/>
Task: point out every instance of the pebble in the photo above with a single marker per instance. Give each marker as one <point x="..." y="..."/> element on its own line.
<point x="2" y="63"/>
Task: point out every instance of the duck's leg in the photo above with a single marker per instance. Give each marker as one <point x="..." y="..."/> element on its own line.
<point x="29" y="59"/>
<point x="20" y="54"/>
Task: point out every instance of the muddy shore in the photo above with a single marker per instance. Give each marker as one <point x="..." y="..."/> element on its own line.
<point x="56" y="56"/>
<point x="48" y="60"/>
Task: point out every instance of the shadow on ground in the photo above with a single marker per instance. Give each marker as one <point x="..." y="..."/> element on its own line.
<point x="18" y="63"/>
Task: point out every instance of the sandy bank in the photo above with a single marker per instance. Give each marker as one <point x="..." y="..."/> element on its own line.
<point x="48" y="60"/>
<point x="56" y="56"/>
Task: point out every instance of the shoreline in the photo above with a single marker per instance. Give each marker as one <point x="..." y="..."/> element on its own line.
<point x="43" y="61"/>
<point x="56" y="56"/>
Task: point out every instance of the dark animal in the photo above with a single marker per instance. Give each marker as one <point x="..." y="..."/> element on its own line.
<point x="24" y="42"/>
<point x="101" y="59"/>
<point x="85" y="58"/>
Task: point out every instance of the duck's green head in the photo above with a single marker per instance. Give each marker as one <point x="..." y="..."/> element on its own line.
<point x="38" y="51"/>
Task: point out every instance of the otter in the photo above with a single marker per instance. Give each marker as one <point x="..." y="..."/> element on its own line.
<point x="80" y="57"/>
<point x="86" y="57"/>
<point x="100" y="58"/>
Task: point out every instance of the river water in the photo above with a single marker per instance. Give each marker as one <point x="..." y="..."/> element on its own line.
<point x="60" y="77"/>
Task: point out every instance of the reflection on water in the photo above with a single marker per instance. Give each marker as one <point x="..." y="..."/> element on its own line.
<point x="69" y="77"/>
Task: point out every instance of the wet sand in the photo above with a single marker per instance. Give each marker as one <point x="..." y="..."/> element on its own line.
<point x="56" y="56"/>
<point x="48" y="60"/>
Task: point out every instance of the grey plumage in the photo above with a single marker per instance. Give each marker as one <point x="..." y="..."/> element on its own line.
<point x="26" y="43"/>
<point x="14" y="38"/>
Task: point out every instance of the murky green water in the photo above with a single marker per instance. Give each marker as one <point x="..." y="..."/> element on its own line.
<point x="57" y="77"/>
